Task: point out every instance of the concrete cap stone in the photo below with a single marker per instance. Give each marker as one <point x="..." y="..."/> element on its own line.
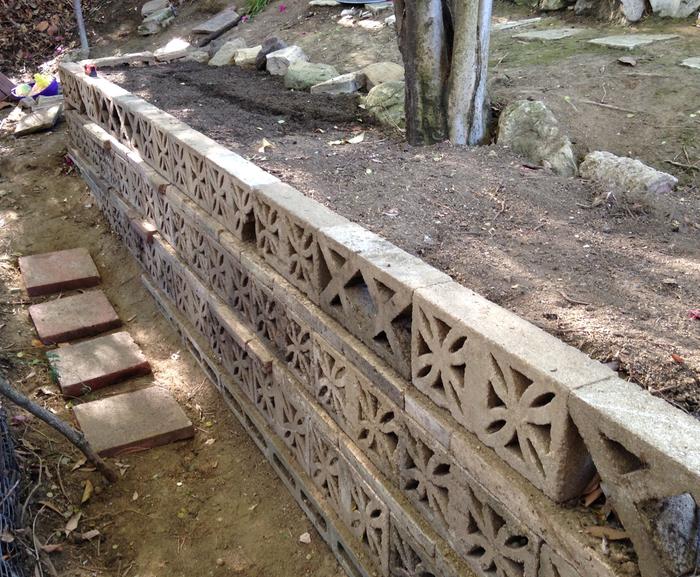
<point x="58" y="271"/>
<point x="93" y="364"/>
<point x="131" y="421"/>
<point x="74" y="317"/>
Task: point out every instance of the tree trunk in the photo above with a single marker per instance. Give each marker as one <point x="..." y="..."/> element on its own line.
<point x="445" y="45"/>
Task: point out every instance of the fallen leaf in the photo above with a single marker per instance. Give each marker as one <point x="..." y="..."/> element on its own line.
<point x="210" y="441"/>
<point x="694" y="314"/>
<point x="52" y="506"/>
<point x="90" y="535"/>
<point x="336" y="142"/>
<point x="135" y="496"/>
<point x="79" y="464"/>
<point x="610" y="533"/>
<point x="42" y="26"/>
<point x="592" y="497"/>
<point x="36" y="343"/>
<point x="265" y="145"/>
<point x="7" y="537"/>
<point x="357" y="139"/>
<point x="87" y="492"/>
<point x="52" y="548"/>
<point x="678" y="359"/>
<point x="72" y="523"/>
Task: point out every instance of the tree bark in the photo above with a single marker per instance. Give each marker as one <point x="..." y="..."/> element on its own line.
<point x="445" y="45"/>
<point x="69" y="433"/>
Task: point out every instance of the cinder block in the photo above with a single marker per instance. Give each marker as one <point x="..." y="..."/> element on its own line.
<point x="420" y="410"/>
<point x="298" y="350"/>
<point x="370" y="289"/>
<point x="406" y="557"/>
<point x="648" y="456"/>
<point x="325" y="460"/>
<point x="291" y="421"/>
<point x="506" y="380"/>
<point x="553" y="565"/>
<point x="286" y="225"/>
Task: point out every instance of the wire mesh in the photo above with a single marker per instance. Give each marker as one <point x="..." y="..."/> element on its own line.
<point x="9" y="499"/>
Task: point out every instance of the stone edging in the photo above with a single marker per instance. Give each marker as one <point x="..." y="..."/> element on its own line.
<point x="489" y="393"/>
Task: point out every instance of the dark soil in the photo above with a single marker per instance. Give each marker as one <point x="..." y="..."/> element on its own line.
<point x="608" y="278"/>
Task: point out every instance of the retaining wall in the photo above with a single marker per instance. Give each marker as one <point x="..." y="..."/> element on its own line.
<point x="423" y="429"/>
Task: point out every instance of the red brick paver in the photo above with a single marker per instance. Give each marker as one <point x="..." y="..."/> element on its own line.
<point x="140" y="419"/>
<point x="74" y="317"/>
<point x="58" y="271"/>
<point x="96" y="363"/>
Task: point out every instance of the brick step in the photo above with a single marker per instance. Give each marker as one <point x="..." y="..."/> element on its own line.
<point x="58" y="271"/>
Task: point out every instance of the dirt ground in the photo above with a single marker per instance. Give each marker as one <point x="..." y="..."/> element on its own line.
<point x="612" y="280"/>
<point x="186" y="509"/>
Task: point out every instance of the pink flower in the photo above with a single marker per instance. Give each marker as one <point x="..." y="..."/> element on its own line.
<point x="283" y="7"/>
<point x="245" y="19"/>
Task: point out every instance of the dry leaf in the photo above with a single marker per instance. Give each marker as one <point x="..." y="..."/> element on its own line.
<point x="592" y="497"/>
<point x="79" y="464"/>
<point x="90" y="535"/>
<point x="593" y="484"/>
<point x="42" y="26"/>
<point x="72" y="523"/>
<point x="87" y="492"/>
<point x="265" y="145"/>
<point x="678" y="359"/>
<point x="210" y="441"/>
<point x="52" y="506"/>
<point x="135" y="496"/>
<point x="52" y="548"/>
<point x="7" y="537"/>
<point x="609" y="533"/>
<point x="357" y="139"/>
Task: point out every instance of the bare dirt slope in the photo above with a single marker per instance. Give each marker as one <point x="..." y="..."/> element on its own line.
<point x="191" y="508"/>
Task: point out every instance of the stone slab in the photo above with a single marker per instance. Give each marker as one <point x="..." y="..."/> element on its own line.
<point x="508" y="24"/>
<point x="138" y="420"/>
<point x="544" y="35"/>
<point x="692" y="63"/>
<point x="58" y="271"/>
<point x="40" y="119"/>
<point x="93" y="364"/>
<point x="221" y="21"/>
<point x="631" y="41"/>
<point x="74" y="317"/>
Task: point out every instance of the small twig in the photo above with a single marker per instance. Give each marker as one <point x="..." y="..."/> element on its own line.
<point x="538" y="227"/>
<point x="52" y="420"/>
<point x="683" y="165"/>
<point x="608" y="106"/>
<point x="570" y="300"/>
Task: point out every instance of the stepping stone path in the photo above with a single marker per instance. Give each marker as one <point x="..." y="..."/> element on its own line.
<point x="220" y="22"/>
<point x="74" y="317"/>
<point x="140" y="419"/>
<point x="692" y="63"/>
<point x="137" y="420"/>
<point x="631" y="41"/>
<point x="58" y="271"/>
<point x="553" y="34"/>
<point x="515" y="23"/>
<point x="96" y="363"/>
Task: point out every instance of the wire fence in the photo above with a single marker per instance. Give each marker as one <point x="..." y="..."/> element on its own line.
<point x="9" y="500"/>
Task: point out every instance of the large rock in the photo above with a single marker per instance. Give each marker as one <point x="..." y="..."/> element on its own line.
<point x="156" y="21"/>
<point x="246" y="57"/>
<point x="530" y="129"/>
<point x="175" y="49"/>
<point x="303" y="75"/>
<point x="278" y="62"/>
<point x="551" y="5"/>
<point x="270" y="44"/>
<point x="153" y="6"/>
<point x="627" y="177"/>
<point x="224" y="56"/>
<point x="386" y="103"/>
<point x="675" y="8"/>
<point x="382" y="72"/>
<point x="343" y="84"/>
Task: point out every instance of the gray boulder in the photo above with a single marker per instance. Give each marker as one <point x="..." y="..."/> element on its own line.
<point x="303" y="75"/>
<point x="343" y="84"/>
<point x="382" y="72"/>
<point x="627" y="177"/>
<point x="675" y="8"/>
<point x="386" y="102"/>
<point x="271" y="44"/>
<point x="246" y="57"/>
<point x="530" y="129"/>
<point x="551" y="5"/>
<point x="278" y="62"/>
<point x="224" y="56"/>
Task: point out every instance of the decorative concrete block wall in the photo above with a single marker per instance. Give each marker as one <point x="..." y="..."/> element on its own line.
<point x="423" y="429"/>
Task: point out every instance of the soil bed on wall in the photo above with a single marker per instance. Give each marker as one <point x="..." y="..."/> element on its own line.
<point x="612" y="280"/>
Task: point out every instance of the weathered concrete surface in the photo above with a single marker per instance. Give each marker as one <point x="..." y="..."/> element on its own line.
<point x="39" y="119"/>
<point x="96" y="363"/>
<point x="278" y="62"/>
<point x="138" y="420"/>
<point x="551" y="34"/>
<point x="58" y="271"/>
<point x="529" y="128"/>
<point x="631" y="41"/>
